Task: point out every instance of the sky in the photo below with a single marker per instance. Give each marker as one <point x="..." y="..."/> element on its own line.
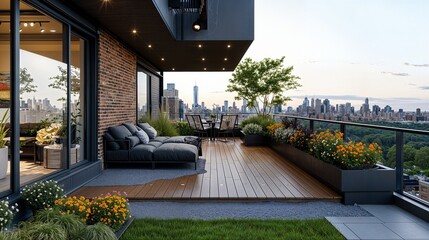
<point x="343" y="50"/>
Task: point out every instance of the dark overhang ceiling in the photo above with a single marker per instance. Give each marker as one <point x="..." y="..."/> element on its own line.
<point x="154" y="41"/>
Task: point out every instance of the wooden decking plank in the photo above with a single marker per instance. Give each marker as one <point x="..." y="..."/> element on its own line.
<point x="234" y="171"/>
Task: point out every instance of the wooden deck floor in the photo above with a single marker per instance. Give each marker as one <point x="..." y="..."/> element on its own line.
<point x="234" y="172"/>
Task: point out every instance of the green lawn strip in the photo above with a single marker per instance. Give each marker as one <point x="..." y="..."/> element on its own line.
<point x="188" y="229"/>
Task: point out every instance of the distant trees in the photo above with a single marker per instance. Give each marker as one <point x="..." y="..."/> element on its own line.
<point x="263" y="82"/>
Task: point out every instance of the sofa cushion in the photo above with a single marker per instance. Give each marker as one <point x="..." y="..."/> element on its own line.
<point x="151" y="132"/>
<point x="110" y="144"/>
<point x="142" y="135"/>
<point x="173" y="152"/>
<point x="142" y="152"/>
<point x="160" y="139"/>
<point x="155" y="144"/>
<point x="120" y="133"/>
<point x="134" y="140"/>
<point x="176" y="139"/>
<point x="131" y="127"/>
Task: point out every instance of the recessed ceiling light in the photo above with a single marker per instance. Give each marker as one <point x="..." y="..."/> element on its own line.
<point x="225" y="59"/>
<point x="162" y="59"/>
<point x="205" y="69"/>
<point x="228" y="46"/>
<point x="223" y="69"/>
<point x="200" y="46"/>
<point x="173" y="69"/>
<point x="52" y="30"/>
<point x="42" y="30"/>
<point x="32" y="24"/>
<point x="134" y="31"/>
<point x="203" y="59"/>
<point x="149" y="46"/>
<point x="25" y="24"/>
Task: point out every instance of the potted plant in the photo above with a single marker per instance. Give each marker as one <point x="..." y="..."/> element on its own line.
<point x="253" y="135"/>
<point x="3" y="148"/>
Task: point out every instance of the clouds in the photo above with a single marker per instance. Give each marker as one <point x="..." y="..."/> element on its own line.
<point x="416" y="65"/>
<point x="397" y="74"/>
<point x="424" y="87"/>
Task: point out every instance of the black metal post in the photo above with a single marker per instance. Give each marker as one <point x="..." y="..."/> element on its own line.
<point x="312" y="125"/>
<point x="399" y="161"/>
<point x="343" y="129"/>
<point x="14" y="113"/>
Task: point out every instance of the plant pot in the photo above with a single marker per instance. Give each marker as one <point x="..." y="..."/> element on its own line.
<point x="4" y="159"/>
<point x="254" y="140"/>
<point x="368" y="186"/>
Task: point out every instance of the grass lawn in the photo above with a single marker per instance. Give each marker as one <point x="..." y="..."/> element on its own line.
<point x="187" y="229"/>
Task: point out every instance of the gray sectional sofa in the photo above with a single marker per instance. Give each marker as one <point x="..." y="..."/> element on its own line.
<point x="122" y="145"/>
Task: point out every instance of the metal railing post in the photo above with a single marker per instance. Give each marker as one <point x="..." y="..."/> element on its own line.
<point x="312" y="125"/>
<point x="343" y="128"/>
<point x="399" y="161"/>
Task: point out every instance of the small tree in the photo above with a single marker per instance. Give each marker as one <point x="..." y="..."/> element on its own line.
<point x="263" y="82"/>
<point x="26" y="82"/>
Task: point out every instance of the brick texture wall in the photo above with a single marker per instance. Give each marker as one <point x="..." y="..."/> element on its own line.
<point x="117" y="85"/>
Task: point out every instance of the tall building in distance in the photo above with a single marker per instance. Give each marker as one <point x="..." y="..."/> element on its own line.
<point x="244" y="106"/>
<point x="225" y="106"/>
<point x="170" y="101"/>
<point x="195" y="104"/>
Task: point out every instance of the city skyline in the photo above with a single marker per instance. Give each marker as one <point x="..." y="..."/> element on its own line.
<point x="343" y="50"/>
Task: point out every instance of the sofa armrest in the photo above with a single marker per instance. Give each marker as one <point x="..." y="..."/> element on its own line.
<point x="124" y="144"/>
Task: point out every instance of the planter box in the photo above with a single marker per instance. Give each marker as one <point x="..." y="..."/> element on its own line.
<point x="254" y="140"/>
<point x="369" y="186"/>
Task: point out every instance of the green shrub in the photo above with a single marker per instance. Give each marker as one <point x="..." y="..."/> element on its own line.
<point x="263" y="121"/>
<point x="42" y="195"/>
<point x="183" y="129"/>
<point x="164" y="126"/>
<point x="252" y="129"/>
<point x="6" y="213"/>
<point x="12" y="235"/>
<point x="73" y="226"/>
<point x="45" y="231"/>
<point x="100" y="231"/>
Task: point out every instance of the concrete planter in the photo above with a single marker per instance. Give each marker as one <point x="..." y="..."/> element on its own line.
<point x="254" y="140"/>
<point x="369" y="186"/>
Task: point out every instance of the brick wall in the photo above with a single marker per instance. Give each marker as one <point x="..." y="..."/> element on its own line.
<point x="116" y="85"/>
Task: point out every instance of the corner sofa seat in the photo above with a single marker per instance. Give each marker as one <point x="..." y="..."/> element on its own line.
<point x="121" y="146"/>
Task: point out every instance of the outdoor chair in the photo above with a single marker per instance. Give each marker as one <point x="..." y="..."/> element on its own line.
<point x="196" y="124"/>
<point x="227" y="125"/>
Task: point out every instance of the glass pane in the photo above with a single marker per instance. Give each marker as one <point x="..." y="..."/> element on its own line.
<point x="4" y="89"/>
<point x="77" y="99"/>
<point x="43" y="93"/>
<point x="142" y="94"/>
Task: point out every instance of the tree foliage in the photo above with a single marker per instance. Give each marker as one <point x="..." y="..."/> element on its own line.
<point x="26" y="82"/>
<point x="60" y="81"/>
<point x="263" y="82"/>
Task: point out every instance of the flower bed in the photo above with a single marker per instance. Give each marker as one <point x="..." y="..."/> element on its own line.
<point x="350" y="168"/>
<point x="58" y="217"/>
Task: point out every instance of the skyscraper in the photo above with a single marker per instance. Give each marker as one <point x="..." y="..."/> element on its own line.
<point x="195" y="97"/>
<point x="170" y="101"/>
<point x="312" y="103"/>
<point x="326" y="106"/>
<point x="244" y="106"/>
<point x="225" y="105"/>
<point x="318" y="106"/>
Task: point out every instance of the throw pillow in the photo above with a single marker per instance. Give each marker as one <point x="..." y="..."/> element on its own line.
<point x="111" y="145"/>
<point x="134" y="140"/>
<point x="130" y="127"/>
<point x="142" y="135"/>
<point x="151" y="132"/>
